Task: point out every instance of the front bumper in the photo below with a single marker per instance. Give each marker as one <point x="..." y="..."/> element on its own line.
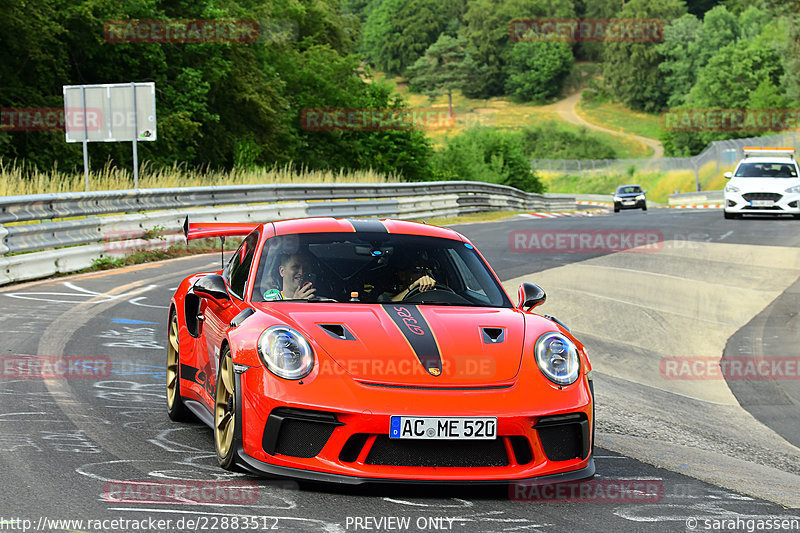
<point x="344" y="442"/>
<point x="745" y="203"/>
<point x="630" y="204"/>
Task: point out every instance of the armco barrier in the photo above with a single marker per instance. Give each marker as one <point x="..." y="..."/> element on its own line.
<point x="703" y="197"/>
<point x="112" y="223"/>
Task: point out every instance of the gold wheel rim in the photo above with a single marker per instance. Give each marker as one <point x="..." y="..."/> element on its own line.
<point x="224" y="408"/>
<point x="172" y="361"/>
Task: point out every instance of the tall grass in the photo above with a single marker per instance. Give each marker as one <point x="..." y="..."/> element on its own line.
<point x="20" y="179"/>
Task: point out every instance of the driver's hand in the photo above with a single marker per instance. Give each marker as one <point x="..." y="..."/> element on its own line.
<point x="305" y="292"/>
<point x="425" y="283"/>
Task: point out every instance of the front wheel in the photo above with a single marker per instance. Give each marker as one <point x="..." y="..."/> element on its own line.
<point x="729" y="216"/>
<point x="225" y="413"/>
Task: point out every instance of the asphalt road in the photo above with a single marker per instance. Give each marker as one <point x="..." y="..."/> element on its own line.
<point x="78" y="448"/>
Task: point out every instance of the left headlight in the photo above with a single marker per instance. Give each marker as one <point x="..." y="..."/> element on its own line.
<point x="557" y="357"/>
<point x="640" y="197"/>
<point x="285" y="352"/>
<point x="794" y="189"/>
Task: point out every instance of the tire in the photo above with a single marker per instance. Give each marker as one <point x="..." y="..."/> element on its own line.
<point x="616" y="208"/>
<point x="176" y="409"/>
<point x="644" y="208"/>
<point x="728" y="216"/>
<point x="225" y="419"/>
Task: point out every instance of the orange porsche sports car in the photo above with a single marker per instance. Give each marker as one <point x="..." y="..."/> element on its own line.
<point x="363" y="350"/>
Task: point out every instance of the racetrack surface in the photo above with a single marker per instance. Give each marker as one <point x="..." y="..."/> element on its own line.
<point x="69" y="443"/>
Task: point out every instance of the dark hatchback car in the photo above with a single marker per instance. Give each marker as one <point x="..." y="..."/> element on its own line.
<point x="629" y="197"/>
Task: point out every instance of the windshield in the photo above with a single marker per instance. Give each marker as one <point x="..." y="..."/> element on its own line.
<point x="766" y="170"/>
<point x="629" y="189"/>
<point x="375" y="268"/>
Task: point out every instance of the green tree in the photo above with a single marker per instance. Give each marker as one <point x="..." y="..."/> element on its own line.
<point x="397" y="32"/>
<point x="444" y="67"/>
<point x="537" y="69"/>
<point x="490" y="155"/>
<point x="486" y="28"/>
<point x="681" y="50"/>
<point x="631" y="68"/>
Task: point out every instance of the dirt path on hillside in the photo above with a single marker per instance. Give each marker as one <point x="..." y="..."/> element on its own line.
<point x="567" y="110"/>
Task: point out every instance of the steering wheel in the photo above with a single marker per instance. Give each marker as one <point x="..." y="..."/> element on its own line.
<point x="436" y="287"/>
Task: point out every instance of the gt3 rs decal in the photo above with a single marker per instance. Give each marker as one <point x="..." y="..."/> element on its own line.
<point x="190" y="373"/>
<point x="419" y="335"/>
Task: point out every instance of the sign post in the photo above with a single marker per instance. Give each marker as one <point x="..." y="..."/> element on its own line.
<point x="110" y="113"/>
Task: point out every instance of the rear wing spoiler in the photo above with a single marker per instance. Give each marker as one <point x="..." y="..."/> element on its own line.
<point x="768" y="151"/>
<point x="203" y="230"/>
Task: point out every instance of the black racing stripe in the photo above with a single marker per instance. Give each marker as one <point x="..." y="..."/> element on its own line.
<point x="419" y="335"/>
<point x="189" y="373"/>
<point x="373" y="226"/>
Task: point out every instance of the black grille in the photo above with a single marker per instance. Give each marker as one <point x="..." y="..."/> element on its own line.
<point x="437" y="453"/>
<point x="564" y="437"/>
<point x="759" y="208"/>
<point x="297" y="432"/>
<point x="352" y="448"/>
<point x="522" y="449"/>
<point x="300" y="438"/>
<point x="762" y="196"/>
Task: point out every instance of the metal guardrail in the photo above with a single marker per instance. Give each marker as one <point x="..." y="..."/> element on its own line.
<point x="702" y="197"/>
<point x="721" y="154"/>
<point x="111" y="223"/>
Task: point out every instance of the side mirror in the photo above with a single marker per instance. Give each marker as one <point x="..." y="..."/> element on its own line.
<point x="530" y="295"/>
<point x="212" y="287"/>
<point x="728" y="175"/>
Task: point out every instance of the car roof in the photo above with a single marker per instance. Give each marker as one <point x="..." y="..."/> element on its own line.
<point x="773" y="159"/>
<point x="343" y="225"/>
<point x="629" y="185"/>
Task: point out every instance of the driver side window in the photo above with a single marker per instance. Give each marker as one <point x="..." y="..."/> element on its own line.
<point x="239" y="266"/>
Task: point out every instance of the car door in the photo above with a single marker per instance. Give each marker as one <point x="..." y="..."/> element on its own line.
<point x="217" y="318"/>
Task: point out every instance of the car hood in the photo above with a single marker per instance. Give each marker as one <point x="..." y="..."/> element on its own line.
<point x="409" y="344"/>
<point x="628" y="194"/>
<point x="776" y="185"/>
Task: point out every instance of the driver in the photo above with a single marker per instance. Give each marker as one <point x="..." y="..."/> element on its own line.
<point x="410" y="276"/>
<point x="292" y="270"/>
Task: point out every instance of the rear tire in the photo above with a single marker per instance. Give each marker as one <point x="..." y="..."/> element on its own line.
<point x="176" y="409"/>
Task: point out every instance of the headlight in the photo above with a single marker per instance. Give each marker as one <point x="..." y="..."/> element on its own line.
<point x="285" y="352"/>
<point x="731" y="188"/>
<point x="794" y="189"/>
<point x="557" y="358"/>
<point x="640" y="197"/>
<point x="617" y="199"/>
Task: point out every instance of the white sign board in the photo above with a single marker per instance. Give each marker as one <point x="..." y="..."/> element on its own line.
<point x="110" y="112"/>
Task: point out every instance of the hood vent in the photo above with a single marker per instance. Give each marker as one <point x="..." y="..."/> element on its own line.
<point x="493" y="335"/>
<point x="338" y="331"/>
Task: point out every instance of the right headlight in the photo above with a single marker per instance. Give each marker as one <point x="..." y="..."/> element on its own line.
<point x="557" y="357"/>
<point x="617" y="199"/>
<point x="285" y="352"/>
<point x="731" y="188"/>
